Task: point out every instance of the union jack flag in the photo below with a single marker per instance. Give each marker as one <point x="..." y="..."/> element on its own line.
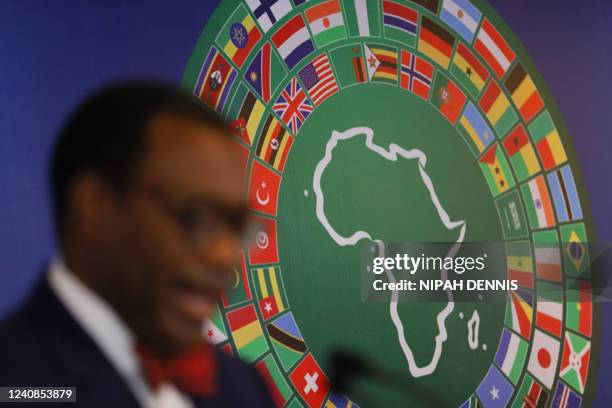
<point x="292" y="106"/>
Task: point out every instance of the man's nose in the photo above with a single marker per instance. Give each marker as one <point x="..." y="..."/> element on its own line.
<point x="221" y="250"/>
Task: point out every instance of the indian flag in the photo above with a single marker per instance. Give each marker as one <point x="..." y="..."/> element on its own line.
<point x="538" y="203"/>
<point x="247" y="333"/>
<point x="326" y="22"/>
<point x="362" y="17"/>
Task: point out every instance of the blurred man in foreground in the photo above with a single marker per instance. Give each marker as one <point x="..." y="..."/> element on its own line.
<point x="149" y="204"/>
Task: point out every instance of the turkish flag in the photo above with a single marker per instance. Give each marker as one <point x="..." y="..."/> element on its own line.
<point x="263" y="189"/>
<point x="264" y="250"/>
<point x="310" y="382"/>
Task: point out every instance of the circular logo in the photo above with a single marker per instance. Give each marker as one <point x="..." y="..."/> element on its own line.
<point x="216" y="80"/>
<point x="413" y="121"/>
<point x="239" y="35"/>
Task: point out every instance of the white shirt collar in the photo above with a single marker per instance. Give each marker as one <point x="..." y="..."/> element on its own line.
<point x="96" y="317"/>
<point x="112" y="336"/>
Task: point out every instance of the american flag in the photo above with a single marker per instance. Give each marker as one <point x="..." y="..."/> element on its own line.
<point x="292" y="106"/>
<point x="319" y="79"/>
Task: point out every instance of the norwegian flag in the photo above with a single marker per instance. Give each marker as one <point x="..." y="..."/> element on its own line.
<point x="292" y="106"/>
<point x="416" y="74"/>
<point x="319" y="80"/>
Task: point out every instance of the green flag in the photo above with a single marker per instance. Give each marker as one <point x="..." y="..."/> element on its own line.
<point x="512" y="215"/>
<point x="530" y="394"/>
<point x="279" y="389"/>
<point x="286" y="340"/>
<point x="496" y="170"/>
<point x="362" y="17"/>
<point x="575" y="250"/>
<point x="349" y="63"/>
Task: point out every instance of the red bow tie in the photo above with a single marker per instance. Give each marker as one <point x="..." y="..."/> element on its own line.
<point x="193" y="372"/>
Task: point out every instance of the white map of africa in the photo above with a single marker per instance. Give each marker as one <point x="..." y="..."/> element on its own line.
<point x="392" y="154"/>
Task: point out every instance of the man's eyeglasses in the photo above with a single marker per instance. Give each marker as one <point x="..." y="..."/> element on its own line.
<point x="204" y="219"/>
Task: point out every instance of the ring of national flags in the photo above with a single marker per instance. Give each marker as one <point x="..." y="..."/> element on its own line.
<point x="273" y="63"/>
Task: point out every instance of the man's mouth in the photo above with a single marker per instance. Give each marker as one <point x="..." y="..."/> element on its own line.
<point x="194" y="303"/>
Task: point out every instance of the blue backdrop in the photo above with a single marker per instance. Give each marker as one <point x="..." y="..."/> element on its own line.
<point x="54" y="53"/>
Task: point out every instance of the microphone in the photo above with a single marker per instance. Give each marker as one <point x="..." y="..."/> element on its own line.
<point x="347" y="366"/>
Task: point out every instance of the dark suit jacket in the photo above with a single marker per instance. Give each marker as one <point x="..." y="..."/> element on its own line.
<point x="42" y="345"/>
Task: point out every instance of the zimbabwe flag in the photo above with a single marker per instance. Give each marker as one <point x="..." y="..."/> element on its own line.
<point x="496" y="170"/>
<point x="381" y="63"/>
<point x="447" y="97"/>
<point x="436" y="42"/>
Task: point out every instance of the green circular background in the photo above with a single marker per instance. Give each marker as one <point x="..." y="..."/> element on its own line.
<point x="364" y="191"/>
<point x="387" y="199"/>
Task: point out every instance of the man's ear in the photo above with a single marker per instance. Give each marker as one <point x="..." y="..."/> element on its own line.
<point x="91" y="199"/>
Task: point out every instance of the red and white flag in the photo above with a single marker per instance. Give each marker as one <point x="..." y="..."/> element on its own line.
<point x="494" y="49"/>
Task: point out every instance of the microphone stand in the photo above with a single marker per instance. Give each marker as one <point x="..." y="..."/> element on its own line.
<point x="347" y="366"/>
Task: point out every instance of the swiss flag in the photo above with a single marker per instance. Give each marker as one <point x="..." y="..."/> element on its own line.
<point x="310" y="382"/>
<point x="263" y="189"/>
<point x="264" y="250"/>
